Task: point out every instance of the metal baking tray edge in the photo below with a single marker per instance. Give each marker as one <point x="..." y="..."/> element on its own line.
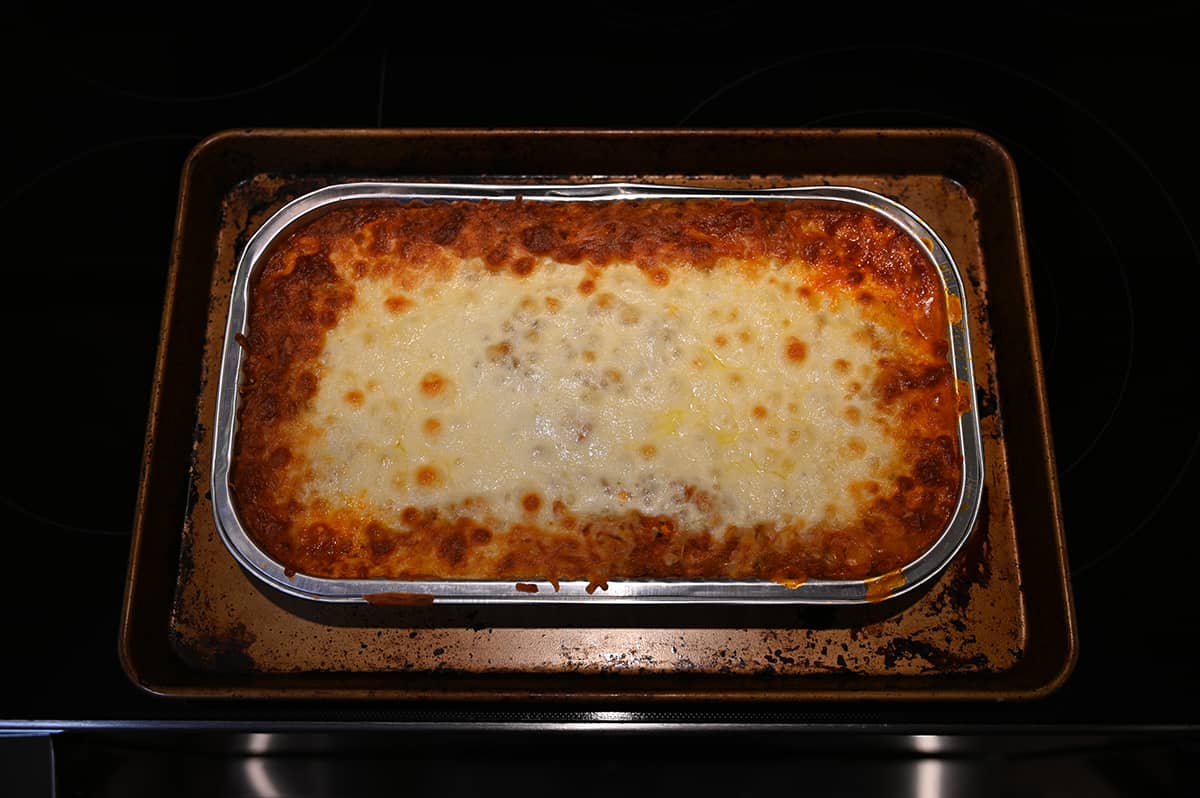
<point x="877" y="589"/>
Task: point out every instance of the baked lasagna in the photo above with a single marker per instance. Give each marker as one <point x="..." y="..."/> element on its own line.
<point x="547" y="390"/>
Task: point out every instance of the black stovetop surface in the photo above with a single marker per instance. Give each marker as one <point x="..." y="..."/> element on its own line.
<point x="1092" y="107"/>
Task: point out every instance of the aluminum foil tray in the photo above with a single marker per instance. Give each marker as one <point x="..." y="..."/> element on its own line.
<point x="636" y="591"/>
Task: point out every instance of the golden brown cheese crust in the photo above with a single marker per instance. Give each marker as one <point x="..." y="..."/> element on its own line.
<point x="307" y="281"/>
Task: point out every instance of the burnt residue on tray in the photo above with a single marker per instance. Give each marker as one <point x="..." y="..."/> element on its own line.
<point x="394" y="599"/>
<point x="971" y="573"/>
<point x="938" y="659"/>
<point x="225" y="649"/>
<point x="974" y="570"/>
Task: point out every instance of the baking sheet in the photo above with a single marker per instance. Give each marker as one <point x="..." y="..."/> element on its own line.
<point x="208" y="629"/>
<point x="885" y="587"/>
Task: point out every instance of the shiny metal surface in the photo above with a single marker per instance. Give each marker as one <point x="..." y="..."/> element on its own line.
<point x="634" y="591"/>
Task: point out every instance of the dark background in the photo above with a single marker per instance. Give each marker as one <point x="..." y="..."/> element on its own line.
<point x="1095" y="108"/>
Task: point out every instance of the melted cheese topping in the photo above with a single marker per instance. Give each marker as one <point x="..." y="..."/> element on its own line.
<point x="490" y="388"/>
<point x="593" y="390"/>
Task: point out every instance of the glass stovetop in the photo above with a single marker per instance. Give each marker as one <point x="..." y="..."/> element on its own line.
<point x="1089" y="106"/>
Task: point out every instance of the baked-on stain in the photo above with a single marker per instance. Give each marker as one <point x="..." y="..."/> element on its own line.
<point x="954" y="309"/>
<point x="973" y="565"/>
<point x="940" y="660"/>
<point x="880" y="587"/>
<point x="393" y="599"/>
<point x="963" y="389"/>
<point x="225" y="649"/>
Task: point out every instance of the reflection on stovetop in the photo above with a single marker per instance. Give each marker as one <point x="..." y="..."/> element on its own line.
<point x="731" y="764"/>
<point x="1106" y="189"/>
